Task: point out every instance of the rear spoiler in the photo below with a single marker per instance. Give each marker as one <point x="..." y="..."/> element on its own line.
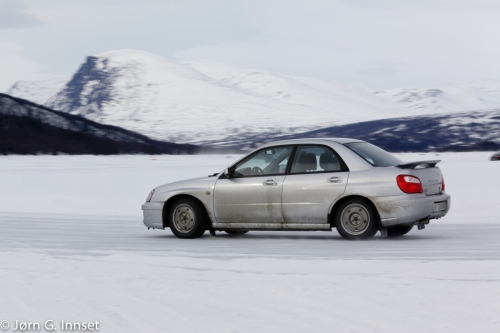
<point x="413" y="165"/>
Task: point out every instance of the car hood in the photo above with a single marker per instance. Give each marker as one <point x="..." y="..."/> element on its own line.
<point x="187" y="186"/>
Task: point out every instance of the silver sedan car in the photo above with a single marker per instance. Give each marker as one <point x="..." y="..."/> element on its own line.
<point x="306" y="184"/>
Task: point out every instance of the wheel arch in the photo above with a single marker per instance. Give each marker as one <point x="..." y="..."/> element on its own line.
<point x="168" y="204"/>
<point x="336" y="205"/>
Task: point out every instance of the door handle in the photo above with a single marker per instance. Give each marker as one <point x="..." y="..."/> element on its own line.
<point x="335" y="180"/>
<point x="270" y="182"/>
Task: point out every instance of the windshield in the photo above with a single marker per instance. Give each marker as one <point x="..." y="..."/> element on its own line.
<point x="373" y="154"/>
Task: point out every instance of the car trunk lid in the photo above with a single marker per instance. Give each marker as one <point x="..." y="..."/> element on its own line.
<point x="430" y="176"/>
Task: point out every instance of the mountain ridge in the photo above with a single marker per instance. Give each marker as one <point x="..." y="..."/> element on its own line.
<point x="204" y="102"/>
<point x="28" y="128"/>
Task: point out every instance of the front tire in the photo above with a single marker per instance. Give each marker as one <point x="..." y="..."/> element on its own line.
<point x="399" y="230"/>
<point x="356" y="219"/>
<point x="187" y="218"/>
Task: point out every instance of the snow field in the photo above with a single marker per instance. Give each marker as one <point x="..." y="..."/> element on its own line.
<point x="119" y="185"/>
<point x="158" y="293"/>
<point x="73" y="248"/>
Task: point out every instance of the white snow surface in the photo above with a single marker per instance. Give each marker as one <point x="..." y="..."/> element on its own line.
<point x="73" y="248"/>
<point x="118" y="185"/>
<point x="206" y="102"/>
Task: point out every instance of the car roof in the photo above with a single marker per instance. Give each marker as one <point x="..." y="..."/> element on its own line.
<point x="310" y="141"/>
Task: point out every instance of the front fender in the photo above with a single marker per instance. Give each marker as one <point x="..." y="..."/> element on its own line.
<point x="199" y="188"/>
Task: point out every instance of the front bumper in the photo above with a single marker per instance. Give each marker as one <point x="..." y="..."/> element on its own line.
<point x="153" y="215"/>
<point x="409" y="208"/>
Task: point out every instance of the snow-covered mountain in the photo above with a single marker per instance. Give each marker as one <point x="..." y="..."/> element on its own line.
<point x="38" y="91"/>
<point x="206" y="102"/>
<point x="453" y="97"/>
<point x="201" y="101"/>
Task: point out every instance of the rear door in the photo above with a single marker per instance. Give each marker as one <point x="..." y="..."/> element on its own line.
<point x="317" y="178"/>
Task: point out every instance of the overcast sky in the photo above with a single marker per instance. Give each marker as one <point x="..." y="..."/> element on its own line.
<point x="380" y="44"/>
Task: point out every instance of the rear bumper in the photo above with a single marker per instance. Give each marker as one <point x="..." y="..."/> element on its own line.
<point x="409" y="208"/>
<point x="152" y="213"/>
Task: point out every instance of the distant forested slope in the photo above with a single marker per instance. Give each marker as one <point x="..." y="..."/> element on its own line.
<point x="462" y="131"/>
<point x="29" y="128"/>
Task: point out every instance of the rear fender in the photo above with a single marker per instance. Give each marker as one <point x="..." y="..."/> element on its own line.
<point x="336" y="204"/>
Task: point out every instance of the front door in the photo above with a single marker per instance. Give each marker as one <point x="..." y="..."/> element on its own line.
<point x="253" y="193"/>
<point x="317" y="178"/>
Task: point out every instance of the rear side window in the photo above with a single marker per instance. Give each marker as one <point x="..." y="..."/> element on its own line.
<point x="310" y="159"/>
<point x="373" y="154"/>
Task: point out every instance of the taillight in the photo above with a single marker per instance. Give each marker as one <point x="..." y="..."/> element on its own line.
<point x="409" y="184"/>
<point x="442" y="185"/>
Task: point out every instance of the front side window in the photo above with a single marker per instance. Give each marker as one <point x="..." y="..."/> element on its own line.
<point x="268" y="161"/>
<point x="372" y="154"/>
<point x="315" y="159"/>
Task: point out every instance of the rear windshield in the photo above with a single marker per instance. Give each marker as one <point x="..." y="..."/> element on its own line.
<point x="373" y="154"/>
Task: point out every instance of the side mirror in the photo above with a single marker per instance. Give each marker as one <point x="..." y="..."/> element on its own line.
<point x="228" y="173"/>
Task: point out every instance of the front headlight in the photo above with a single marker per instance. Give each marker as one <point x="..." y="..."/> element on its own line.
<point x="150" y="196"/>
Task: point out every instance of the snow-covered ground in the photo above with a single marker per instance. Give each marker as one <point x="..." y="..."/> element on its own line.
<point x="118" y="185"/>
<point x="73" y="248"/>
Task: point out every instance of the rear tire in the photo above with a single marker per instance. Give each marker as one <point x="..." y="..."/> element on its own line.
<point x="356" y="219"/>
<point x="236" y="232"/>
<point x="399" y="230"/>
<point x="187" y="218"/>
